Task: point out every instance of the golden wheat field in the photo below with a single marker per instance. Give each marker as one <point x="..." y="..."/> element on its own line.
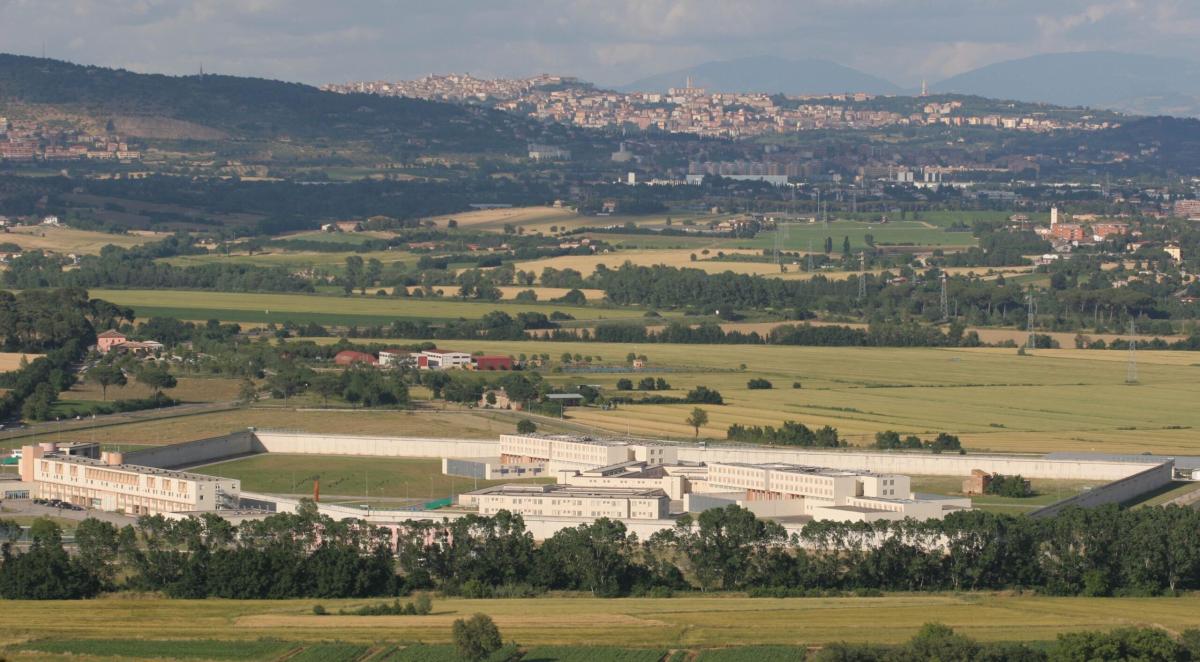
<point x="1048" y="400"/>
<point x="685" y="621"/>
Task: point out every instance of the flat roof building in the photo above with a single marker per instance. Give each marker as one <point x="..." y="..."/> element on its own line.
<point x="570" y="501"/>
<point x="580" y="452"/>
<point x="109" y="484"/>
<point x="827" y="494"/>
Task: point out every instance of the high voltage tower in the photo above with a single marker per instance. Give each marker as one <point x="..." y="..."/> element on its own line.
<point x="781" y="235"/>
<point x="1131" y="376"/>
<point x="1032" y="315"/>
<point x="862" y="276"/>
<point x="945" y="300"/>
<point x="808" y="263"/>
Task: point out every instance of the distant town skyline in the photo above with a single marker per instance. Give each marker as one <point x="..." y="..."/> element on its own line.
<point x="608" y="43"/>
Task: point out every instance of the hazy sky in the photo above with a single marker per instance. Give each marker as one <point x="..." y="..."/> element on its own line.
<point x="606" y="41"/>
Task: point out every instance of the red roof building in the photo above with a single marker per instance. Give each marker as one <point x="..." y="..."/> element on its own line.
<point x="492" y="363"/>
<point x="350" y="357"/>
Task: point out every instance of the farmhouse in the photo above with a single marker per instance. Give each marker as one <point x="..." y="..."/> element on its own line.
<point x="109" y="339"/>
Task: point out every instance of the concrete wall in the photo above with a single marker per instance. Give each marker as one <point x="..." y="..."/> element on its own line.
<point x="336" y="444"/>
<point x="881" y="462"/>
<point x="192" y="453"/>
<point x="919" y="463"/>
<point x="1118" y="491"/>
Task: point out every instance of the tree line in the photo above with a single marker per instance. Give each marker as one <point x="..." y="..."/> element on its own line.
<point x="1091" y="552"/>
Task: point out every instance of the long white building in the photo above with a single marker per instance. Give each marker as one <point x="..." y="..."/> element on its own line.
<point x="822" y="493"/>
<point x="109" y="484"/>
<point x="560" y="452"/>
<point x="570" y="501"/>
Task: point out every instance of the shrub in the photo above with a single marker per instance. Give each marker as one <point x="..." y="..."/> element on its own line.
<point x="759" y="383"/>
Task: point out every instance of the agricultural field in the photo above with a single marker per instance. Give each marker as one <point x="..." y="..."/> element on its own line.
<point x="275" y="257"/>
<point x="540" y="219"/>
<point x="800" y="236"/>
<point x="328" y="309"/>
<point x="996" y="400"/>
<point x="370" y="478"/>
<point x="67" y="240"/>
<point x="12" y="360"/>
<point x="693" y="621"/>
<point x="466" y="425"/>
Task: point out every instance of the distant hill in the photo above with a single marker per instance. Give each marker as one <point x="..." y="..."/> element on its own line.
<point x="211" y="107"/>
<point x="769" y="74"/>
<point x="1138" y="84"/>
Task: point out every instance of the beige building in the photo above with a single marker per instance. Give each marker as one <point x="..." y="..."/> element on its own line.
<point x="109" y="484"/>
<point x="580" y="452"/>
<point x="570" y="501"/>
<point x="822" y="493"/>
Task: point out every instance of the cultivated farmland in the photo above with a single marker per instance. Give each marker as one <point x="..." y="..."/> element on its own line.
<point x="681" y="622"/>
<point x="997" y="400"/>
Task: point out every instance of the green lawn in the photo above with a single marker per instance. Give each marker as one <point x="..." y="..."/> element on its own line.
<point x="374" y="477"/>
<point x="1046" y="492"/>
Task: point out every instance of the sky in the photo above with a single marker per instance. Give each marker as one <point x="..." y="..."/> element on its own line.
<point x="609" y="42"/>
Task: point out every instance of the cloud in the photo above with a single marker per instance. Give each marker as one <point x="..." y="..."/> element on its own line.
<point x="607" y="41"/>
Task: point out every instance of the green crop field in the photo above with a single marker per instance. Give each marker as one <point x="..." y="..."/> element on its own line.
<point x="332" y="262"/>
<point x="416" y="479"/>
<point x="325" y="309"/>
<point x="1049" y="400"/>
<point x="692" y="622"/>
<point x="799" y="236"/>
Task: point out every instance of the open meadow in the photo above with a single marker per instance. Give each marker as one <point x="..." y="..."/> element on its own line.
<point x="800" y="236"/>
<point x="329" y="309"/>
<point x="1049" y="400"/>
<point x="693" y="621"/>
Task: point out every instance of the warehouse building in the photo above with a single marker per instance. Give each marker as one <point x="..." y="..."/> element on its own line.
<point x="109" y="484"/>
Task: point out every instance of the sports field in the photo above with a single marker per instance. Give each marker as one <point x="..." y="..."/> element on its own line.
<point x="995" y="399"/>
<point x="327" y="309"/>
<point x="392" y="478"/>
<point x="680" y="622"/>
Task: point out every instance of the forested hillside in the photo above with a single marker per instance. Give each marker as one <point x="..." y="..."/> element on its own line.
<point x="259" y="108"/>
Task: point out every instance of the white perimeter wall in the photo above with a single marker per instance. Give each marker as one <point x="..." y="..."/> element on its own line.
<point x="901" y="463"/>
<point x="337" y="444"/>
